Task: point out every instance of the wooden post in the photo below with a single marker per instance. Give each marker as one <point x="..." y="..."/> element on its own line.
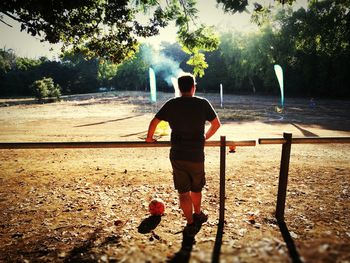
<point x="283" y="177"/>
<point x="222" y="179"/>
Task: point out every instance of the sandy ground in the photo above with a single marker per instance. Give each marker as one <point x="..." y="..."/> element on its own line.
<point x="90" y="205"/>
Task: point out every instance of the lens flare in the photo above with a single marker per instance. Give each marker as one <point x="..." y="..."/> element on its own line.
<point x="152" y="83"/>
<point x="279" y="74"/>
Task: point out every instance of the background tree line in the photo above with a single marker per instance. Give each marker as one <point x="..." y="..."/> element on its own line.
<point x="311" y="45"/>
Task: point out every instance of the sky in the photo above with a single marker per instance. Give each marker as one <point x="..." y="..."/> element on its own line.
<point x="210" y="15"/>
<point x="25" y="45"/>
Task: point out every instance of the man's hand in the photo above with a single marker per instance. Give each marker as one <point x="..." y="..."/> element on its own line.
<point x="214" y="126"/>
<point x="151" y="129"/>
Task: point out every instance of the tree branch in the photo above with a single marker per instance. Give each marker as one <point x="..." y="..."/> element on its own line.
<point x="183" y="3"/>
<point x="1" y="20"/>
<point x="13" y="17"/>
<point x="185" y="11"/>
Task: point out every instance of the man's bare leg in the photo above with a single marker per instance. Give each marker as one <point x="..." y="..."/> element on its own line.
<point x="196" y="201"/>
<point x="186" y="206"/>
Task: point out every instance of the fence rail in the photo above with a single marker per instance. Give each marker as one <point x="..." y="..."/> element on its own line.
<point x="137" y="144"/>
<point x="142" y="144"/>
<point x="307" y="140"/>
<point x="111" y="144"/>
<point x="287" y="142"/>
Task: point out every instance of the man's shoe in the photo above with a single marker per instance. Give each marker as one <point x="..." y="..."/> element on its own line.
<point x="190" y="230"/>
<point x="199" y="219"/>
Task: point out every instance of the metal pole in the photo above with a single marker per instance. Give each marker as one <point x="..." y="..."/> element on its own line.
<point x="222" y="179"/>
<point x="283" y="177"/>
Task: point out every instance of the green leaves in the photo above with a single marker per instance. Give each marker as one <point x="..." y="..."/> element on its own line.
<point x="240" y="6"/>
<point x="106" y="71"/>
<point x="109" y="29"/>
<point x="233" y="5"/>
<point x="199" y="64"/>
<point x="203" y="39"/>
<point x="44" y="88"/>
<point x="98" y="28"/>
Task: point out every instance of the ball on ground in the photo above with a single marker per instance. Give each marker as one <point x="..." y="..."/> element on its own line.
<point x="232" y="149"/>
<point x="156" y="207"/>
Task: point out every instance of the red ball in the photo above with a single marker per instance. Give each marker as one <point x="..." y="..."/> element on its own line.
<point x="156" y="207"/>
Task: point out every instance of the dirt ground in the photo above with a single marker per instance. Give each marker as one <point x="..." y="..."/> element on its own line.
<point x="91" y="205"/>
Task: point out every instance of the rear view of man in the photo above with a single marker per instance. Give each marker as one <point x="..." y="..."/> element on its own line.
<point x="187" y="116"/>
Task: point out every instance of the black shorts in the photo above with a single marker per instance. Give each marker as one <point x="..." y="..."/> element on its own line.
<point x="188" y="176"/>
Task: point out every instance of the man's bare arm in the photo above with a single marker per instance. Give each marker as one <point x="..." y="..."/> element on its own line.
<point x="214" y="126"/>
<point x="151" y="129"/>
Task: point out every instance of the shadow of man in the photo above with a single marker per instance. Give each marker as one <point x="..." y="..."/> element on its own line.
<point x="188" y="240"/>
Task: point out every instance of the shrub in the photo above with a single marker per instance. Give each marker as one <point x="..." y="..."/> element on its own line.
<point x="46" y="88"/>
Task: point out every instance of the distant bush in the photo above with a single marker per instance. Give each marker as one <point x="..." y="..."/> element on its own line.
<point x="46" y="88"/>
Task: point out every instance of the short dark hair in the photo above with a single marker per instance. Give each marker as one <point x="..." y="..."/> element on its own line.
<point x="186" y="82"/>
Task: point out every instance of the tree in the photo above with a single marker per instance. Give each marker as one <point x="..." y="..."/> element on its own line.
<point x="20" y="76"/>
<point x="46" y="88"/>
<point x="133" y="73"/>
<point x="167" y="62"/>
<point x="109" y="29"/>
<point x="83" y="73"/>
<point x="318" y="47"/>
<point x="61" y="73"/>
<point x="311" y="44"/>
<point x="106" y="71"/>
<point x="7" y="60"/>
<point x="240" y="6"/>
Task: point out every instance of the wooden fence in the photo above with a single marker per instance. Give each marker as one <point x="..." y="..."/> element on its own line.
<point x="136" y="144"/>
<point x="286" y="142"/>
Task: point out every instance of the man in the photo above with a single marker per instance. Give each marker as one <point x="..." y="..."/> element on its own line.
<point x="187" y="116"/>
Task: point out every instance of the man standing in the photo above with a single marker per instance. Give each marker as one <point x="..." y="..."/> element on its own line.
<point x="187" y="116"/>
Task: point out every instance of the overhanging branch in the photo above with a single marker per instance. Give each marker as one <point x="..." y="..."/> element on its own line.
<point x="13" y="17"/>
<point x="1" y="20"/>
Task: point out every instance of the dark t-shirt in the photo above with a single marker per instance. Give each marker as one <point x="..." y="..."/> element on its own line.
<point x="187" y="117"/>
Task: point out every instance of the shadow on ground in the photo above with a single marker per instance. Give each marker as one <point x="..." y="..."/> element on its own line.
<point x="149" y="224"/>
<point x="184" y="254"/>
<point x="218" y="243"/>
<point x="85" y="251"/>
<point x="108" y="121"/>
<point x="293" y="252"/>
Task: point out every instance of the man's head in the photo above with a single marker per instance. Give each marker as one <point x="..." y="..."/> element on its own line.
<point x="186" y="82"/>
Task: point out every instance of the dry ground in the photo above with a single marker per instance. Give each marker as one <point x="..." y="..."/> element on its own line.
<point x="88" y="205"/>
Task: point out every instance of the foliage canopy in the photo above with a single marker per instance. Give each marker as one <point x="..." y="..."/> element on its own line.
<point x="311" y="44"/>
<point x="110" y="29"/>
